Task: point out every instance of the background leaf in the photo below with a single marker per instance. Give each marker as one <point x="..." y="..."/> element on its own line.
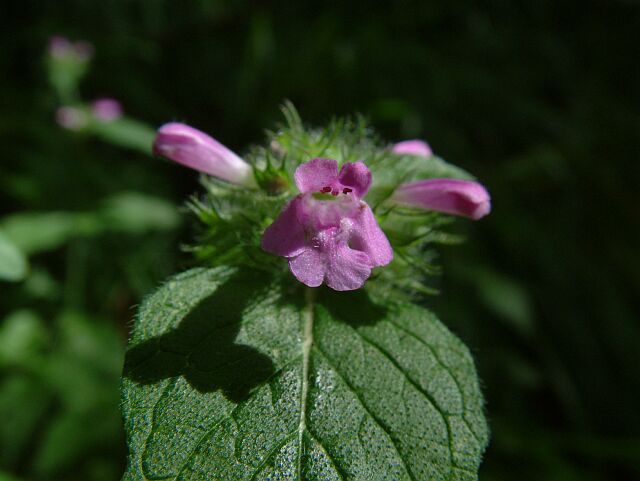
<point x="127" y="133"/>
<point x="13" y="264"/>
<point x="125" y="212"/>
<point x="231" y="377"/>
<point x="55" y="380"/>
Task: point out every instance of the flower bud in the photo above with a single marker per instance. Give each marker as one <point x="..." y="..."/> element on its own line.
<point x="451" y="196"/>
<point x="412" y="147"/>
<point x="106" y="109"/>
<point x="195" y="149"/>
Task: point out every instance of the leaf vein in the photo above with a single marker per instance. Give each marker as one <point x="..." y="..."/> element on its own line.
<point x="448" y="369"/>
<point x="229" y="415"/>
<point x="269" y="456"/>
<point x="445" y="416"/>
<point x="338" y="469"/>
<point x="377" y="420"/>
<point x="170" y="385"/>
<point x="424" y="392"/>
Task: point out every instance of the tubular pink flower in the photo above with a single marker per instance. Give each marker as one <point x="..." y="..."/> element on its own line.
<point x="195" y="149"/>
<point x="106" y="109"/>
<point x="412" y="147"/>
<point x="327" y="233"/>
<point x="452" y="196"/>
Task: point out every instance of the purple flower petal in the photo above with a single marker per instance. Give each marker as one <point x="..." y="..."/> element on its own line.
<point x="367" y="236"/>
<point x="285" y="237"/>
<point x="332" y="261"/>
<point x="412" y="147"/>
<point x="347" y="269"/>
<point x="316" y="174"/>
<point x="357" y="176"/>
<point x="195" y="149"/>
<point x="452" y="196"/>
<point x="308" y="267"/>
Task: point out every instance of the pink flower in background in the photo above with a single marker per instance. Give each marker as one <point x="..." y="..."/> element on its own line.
<point x="106" y="109"/>
<point x="452" y="196"/>
<point x="412" y="147"/>
<point x="195" y="149"/>
<point x="63" y="48"/>
<point x="327" y="233"/>
<point x="71" y="118"/>
<point x="59" y="46"/>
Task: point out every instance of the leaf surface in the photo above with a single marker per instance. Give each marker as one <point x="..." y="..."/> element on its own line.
<point x="231" y="377"/>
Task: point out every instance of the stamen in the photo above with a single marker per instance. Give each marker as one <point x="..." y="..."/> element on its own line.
<point x="346" y="190"/>
<point x="326" y="189"/>
<point x="334" y="192"/>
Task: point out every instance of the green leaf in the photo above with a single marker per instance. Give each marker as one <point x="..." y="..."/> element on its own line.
<point x="58" y="395"/>
<point x="125" y="132"/>
<point x="229" y="376"/>
<point x="35" y="232"/>
<point x="123" y="212"/>
<point x="24" y="402"/>
<point x="13" y="263"/>
<point x="138" y="213"/>
<point x="22" y="335"/>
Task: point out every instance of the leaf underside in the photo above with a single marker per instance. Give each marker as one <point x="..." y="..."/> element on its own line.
<point x="229" y="377"/>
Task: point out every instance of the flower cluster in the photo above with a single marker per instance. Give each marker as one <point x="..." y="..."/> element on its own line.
<point x="327" y="231"/>
<point x="102" y="110"/>
<point x="67" y="64"/>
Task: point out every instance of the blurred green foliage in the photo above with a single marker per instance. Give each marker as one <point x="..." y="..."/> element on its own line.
<point x="539" y="99"/>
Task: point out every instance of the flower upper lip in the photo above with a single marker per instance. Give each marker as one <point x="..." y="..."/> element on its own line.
<point x="318" y="174"/>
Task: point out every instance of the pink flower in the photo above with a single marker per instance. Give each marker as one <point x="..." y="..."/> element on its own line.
<point x="452" y="196"/>
<point x="106" y="109"/>
<point x="412" y="147"/>
<point x="327" y="233"/>
<point x="63" y="48"/>
<point x="195" y="149"/>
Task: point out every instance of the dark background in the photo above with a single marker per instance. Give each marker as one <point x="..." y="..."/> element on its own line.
<point x="539" y="100"/>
